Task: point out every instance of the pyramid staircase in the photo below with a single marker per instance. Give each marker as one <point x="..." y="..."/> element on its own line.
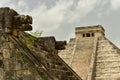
<point x="68" y="54"/>
<point x="106" y="61"/>
<point x="77" y="55"/>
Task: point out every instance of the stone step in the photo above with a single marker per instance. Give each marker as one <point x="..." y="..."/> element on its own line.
<point x="108" y="55"/>
<point x="99" y="58"/>
<point x="108" y="75"/>
<point x="106" y="51"/>
<point x="103" y="42"/>
<point x="105" y="47"/>
<point x="107" y="44"/>
<point x="109" y="65"/>
<point x="107" y="70"/>
<point x="107" y="78"/>
<point x="109" y="60"/>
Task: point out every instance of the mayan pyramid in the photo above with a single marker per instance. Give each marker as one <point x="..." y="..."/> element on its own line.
<point x="91" y="55"/>
<point x="18" y="61"/>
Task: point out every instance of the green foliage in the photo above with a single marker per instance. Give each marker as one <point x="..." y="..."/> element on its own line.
<point x="29" y="41"/>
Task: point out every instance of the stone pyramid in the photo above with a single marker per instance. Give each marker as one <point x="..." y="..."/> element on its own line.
<point x="91" y="55"/>
<point x="19" y="62"/>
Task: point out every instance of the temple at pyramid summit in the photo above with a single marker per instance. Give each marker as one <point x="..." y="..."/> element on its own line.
<point x="88" y="56"/>
<point x="91" y="55"/>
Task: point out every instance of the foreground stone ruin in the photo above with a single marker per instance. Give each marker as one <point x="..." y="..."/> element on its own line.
<point x="19" y="62"/>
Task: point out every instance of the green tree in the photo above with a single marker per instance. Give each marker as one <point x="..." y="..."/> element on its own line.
<point x="29" y="41"/>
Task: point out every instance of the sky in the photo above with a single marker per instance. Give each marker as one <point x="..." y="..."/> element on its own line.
<point x="60" y="17"/>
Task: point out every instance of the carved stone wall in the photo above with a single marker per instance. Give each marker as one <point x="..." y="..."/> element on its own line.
<point x="19" y="62"/>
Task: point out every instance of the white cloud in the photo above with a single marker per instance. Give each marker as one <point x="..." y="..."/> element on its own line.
<point x="82" y="9"/>
<point x="115" y="4"/>
<point x="20" y="6"/>
<point x="59" y="16"/>
<point x="5" y="3"/>
<point x="62" y="15"/>
<point x="49" y="19"/>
